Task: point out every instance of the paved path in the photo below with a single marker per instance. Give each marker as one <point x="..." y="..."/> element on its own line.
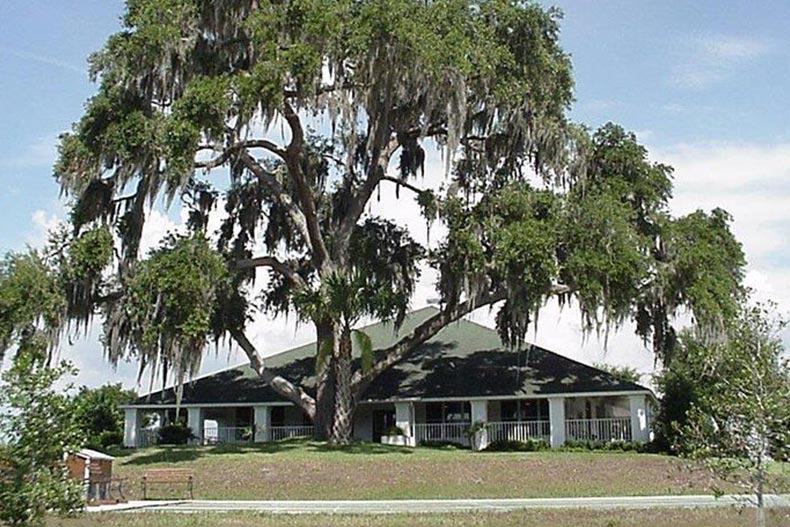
<point x="437" y="506"/>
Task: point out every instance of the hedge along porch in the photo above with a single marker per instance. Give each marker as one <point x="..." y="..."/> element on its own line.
<point x="463" y="375"/>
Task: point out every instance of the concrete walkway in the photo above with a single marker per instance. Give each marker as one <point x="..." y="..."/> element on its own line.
<point x="438" y="506"/>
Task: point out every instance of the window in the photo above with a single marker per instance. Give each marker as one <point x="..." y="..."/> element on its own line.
<point x="434" y="413"/>
<point x="278" y="415"/>
<point x="457" y="412"/>
<point x="453" y="412"/>
<point x="525" y="410"/>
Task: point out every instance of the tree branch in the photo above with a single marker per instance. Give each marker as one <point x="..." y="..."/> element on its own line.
<point x="398" y="351"/>
<point x="279" y="384"/>
<point x="327" y="88"/>
<point x="227" y="153"/>
<point x="285" y="199"/>
<point x="380" y="160"/>
<point x="425" y="331"/>
<point x="304" y="194"/>
<point x="376" y="172"/>
<point x="405" y="184"/>
<point x="275" y="264"/>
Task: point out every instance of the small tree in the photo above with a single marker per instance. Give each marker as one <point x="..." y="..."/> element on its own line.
<point x="98" y="413"/>
<point x="682" y="384"/>
<point x="38" y="427"/>
<point x="736" y="425"/>
<point x="620" y="373"/>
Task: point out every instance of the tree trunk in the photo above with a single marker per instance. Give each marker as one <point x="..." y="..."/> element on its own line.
<point x="325" y="385"/>
<point x="344" y="401"/>
<point x="760" y="490"/>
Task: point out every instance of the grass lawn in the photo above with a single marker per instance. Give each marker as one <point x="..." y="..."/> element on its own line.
<point x="543" y="518"/>
<point x="309" y="470"/>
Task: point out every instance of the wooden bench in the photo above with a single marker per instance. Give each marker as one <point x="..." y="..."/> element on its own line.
<point x="168" y="476"/>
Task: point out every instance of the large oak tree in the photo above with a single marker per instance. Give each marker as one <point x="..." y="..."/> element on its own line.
<point x="191" y="95"/>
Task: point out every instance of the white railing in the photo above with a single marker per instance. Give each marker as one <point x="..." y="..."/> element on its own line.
<point x="449" y="432"/>
<point x="228" y="435"/>
<point x="278" y="433"/>
<point x="518" y="431"/>
<point x="608" y="429"/>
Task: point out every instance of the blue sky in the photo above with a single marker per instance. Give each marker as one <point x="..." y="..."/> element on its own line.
<point x="706" y="85"/>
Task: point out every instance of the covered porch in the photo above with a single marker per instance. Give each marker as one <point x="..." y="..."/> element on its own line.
<point x="556" y="420"/>
<point x="218" y="424"/>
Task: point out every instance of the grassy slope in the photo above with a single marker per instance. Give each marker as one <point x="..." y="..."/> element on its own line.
<point x="554" y="518"/>
<point x="304" y="470"/>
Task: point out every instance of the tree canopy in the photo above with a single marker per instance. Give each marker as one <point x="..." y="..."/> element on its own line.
<point x="191" y="95"/>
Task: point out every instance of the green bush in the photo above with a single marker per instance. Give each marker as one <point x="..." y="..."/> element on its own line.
<point x="110" y="438"/>
<point x="475" y="428"/>
<point x="610" y="446"/>
<point x="442" y="444"/>
<point x="175" y="434"/>
<point x="531" y="445"/>
<point x="394" y="431"/>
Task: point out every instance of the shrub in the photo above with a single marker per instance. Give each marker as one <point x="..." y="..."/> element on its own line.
<point x="610" y="446"/>
<point x="504" y="445"/>
<point x="110" y="438"/>
<point x="479" y="426"/>
<point x="394" y="431"/>
<point x="441" y="444"/>
<point x="175" y="434"/>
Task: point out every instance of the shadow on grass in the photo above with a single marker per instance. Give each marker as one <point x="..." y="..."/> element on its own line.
<point x="187" y="453"/>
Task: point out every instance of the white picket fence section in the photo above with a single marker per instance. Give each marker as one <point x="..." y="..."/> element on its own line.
<point x="518" y="431"/>
<point x="449" y="432"/>
<point x="607" y="429"/>
<point x="278" y="433"/>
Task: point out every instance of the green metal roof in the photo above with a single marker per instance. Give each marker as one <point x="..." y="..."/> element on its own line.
<point x="465" y="359"/>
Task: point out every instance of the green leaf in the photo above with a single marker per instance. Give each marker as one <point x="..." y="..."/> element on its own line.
<point x="365" y="347"/>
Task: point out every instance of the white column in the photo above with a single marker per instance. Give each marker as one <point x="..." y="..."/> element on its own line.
<point x="638" y="406"/>
<point x="557" y="421"/>
<point x="479" y="415"/>
<point x="131" y="427"/>
<point x="404" y="419"/>
<point x="262" y="416"/>
<point x="195" y="423"/>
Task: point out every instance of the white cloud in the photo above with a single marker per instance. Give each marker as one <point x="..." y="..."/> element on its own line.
<point x="729" y="48"/>
<point x="42" y="152"/>
<point x="45" y="59"/>
<point x="710" y="59"/>
<point x="750" y="181"/>
<point x="644" y="135"/>
<point x="43" y="222"/>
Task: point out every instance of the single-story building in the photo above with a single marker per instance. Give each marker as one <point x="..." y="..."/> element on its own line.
<point x="463" y="375"/>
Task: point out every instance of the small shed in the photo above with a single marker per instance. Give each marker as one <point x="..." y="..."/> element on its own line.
<point x="94" y="468"/>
